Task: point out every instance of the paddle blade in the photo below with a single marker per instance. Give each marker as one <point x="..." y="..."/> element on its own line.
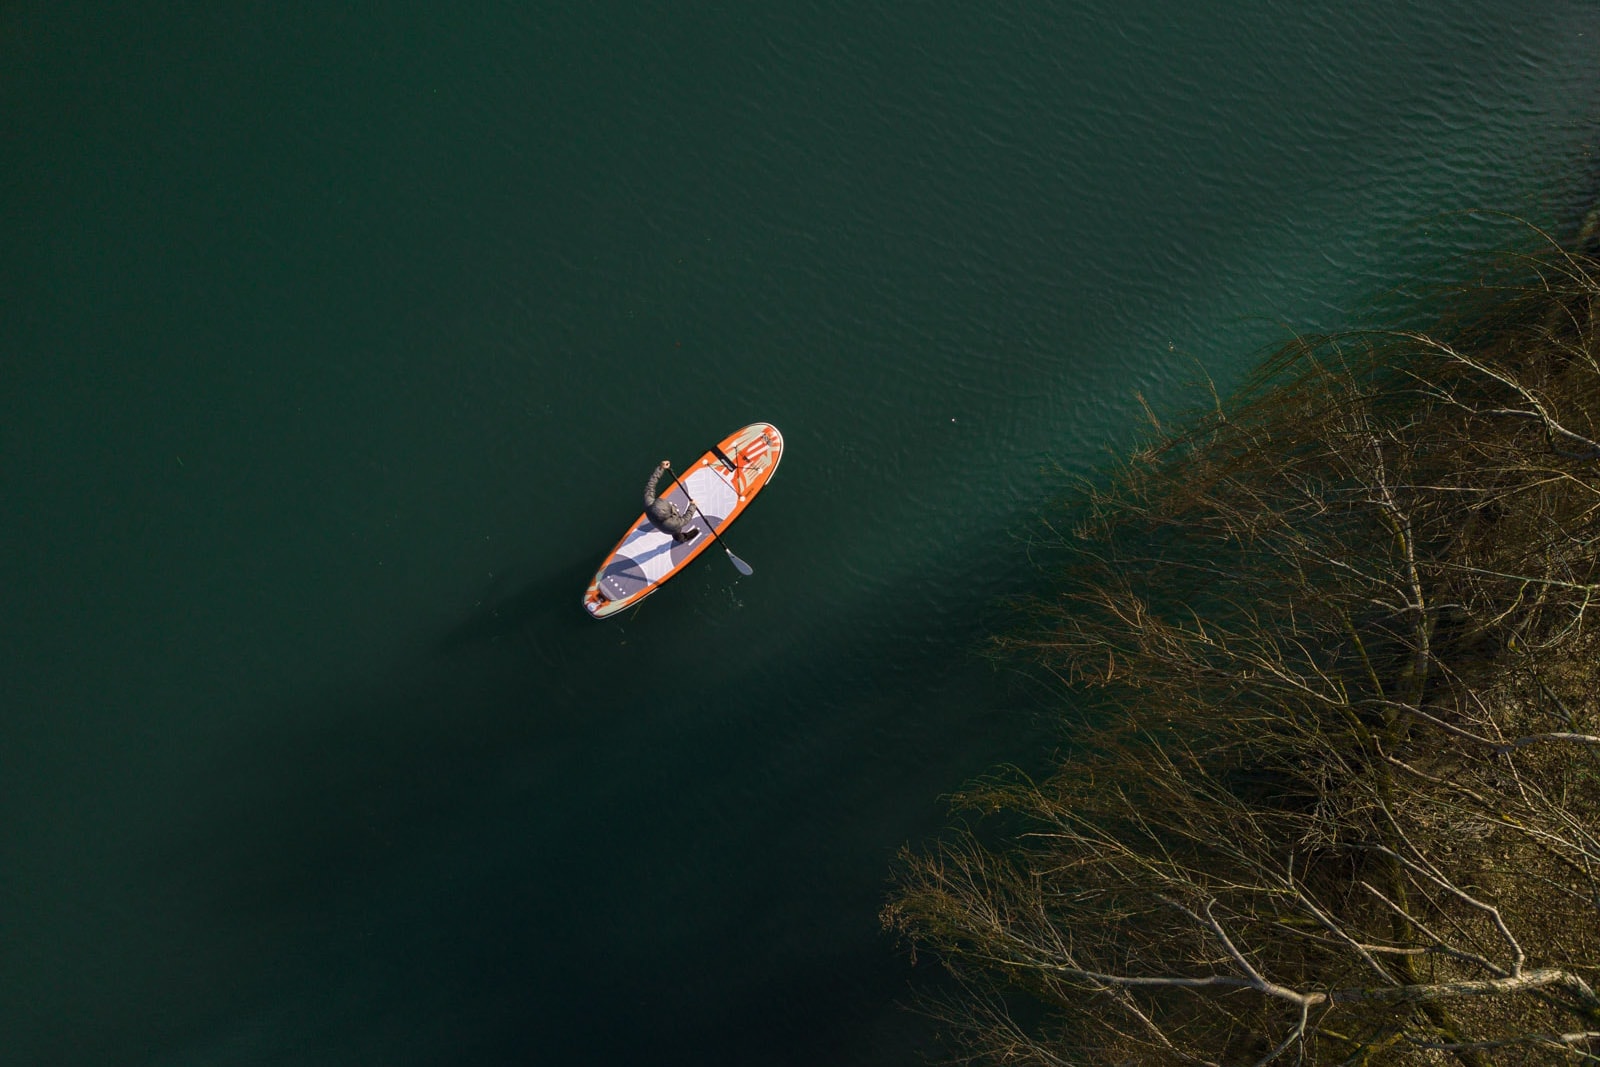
<point x="740" y="565"/>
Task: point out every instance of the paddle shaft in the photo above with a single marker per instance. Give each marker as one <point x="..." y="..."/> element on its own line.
<point x="743" y="567"/>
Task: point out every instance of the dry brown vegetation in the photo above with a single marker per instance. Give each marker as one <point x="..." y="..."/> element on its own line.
<point x="1337" y="798"/>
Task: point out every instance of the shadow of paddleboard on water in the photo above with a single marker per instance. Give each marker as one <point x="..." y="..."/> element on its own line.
<point x="523" y="611"/>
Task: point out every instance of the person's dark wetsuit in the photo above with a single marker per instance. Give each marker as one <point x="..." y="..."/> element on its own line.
<point x="664" y="513"/>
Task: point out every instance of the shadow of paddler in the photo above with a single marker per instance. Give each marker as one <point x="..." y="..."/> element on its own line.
<point x="533" y="606"/>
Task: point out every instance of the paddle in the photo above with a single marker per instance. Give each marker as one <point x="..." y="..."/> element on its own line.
<point x="738" y="564"/>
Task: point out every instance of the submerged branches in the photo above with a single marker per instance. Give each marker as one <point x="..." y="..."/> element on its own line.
<point x="1337" y="799"/>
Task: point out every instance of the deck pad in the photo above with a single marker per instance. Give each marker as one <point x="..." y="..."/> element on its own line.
<point x="722" y="482"/>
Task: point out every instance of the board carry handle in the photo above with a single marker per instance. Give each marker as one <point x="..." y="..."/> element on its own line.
<point x="726" y="462"/>
<point x="738" y="564"/>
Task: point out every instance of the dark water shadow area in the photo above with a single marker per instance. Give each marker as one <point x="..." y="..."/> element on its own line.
<point x="538" y="844"/>
<point x="508" y="609"/>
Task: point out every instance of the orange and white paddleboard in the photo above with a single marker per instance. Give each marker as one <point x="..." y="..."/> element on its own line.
<point x="721" y="482"/>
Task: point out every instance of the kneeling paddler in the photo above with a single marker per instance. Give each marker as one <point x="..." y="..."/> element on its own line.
<point x="664" y="513"/>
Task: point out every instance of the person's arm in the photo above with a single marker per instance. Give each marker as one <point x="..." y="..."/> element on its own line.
<point x="650" y="486"/>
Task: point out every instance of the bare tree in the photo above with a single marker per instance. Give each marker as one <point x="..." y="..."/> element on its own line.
<point x="1338" y="798"/>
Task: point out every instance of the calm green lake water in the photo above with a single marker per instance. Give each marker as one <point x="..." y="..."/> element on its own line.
<point x="336" y="341"/>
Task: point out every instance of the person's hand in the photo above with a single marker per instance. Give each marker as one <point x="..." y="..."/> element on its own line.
<point x="666" y="463"/>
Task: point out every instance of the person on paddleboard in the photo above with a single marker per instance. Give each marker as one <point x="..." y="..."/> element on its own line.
<point x="664" y="513"/>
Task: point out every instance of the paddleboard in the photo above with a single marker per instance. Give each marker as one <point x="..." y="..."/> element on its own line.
<point x="722" y="482"/>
